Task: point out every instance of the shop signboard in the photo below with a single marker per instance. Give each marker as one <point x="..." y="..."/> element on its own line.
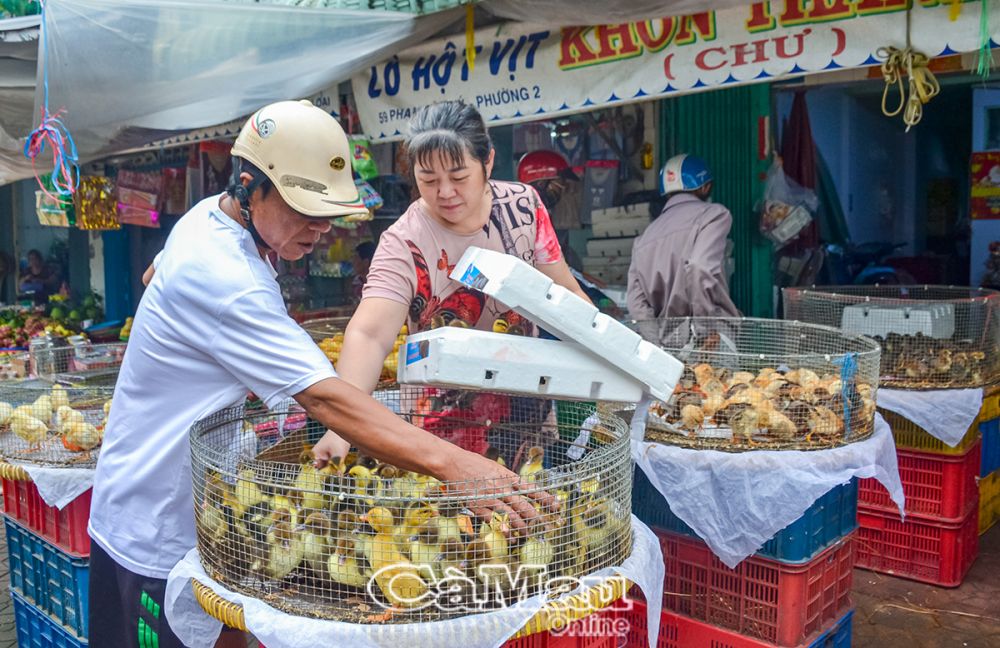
<point x="524" y="72"/>
<point x="984" y="172"/>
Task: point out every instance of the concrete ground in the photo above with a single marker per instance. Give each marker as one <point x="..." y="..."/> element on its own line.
<point x="891" y="612"/>
<point x="894" y="612"/>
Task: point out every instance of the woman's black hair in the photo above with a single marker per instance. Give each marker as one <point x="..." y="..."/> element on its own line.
<point x="35" y="252"/>
<point x="448" y="128"/>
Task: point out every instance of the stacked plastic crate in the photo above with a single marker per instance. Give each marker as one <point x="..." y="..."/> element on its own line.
<point x="989" y="467"/>
<point x="938" y="541"/>
<point x="933" y="338"/>
<point x="795" y="591"/>
<point x="49" y="554"/>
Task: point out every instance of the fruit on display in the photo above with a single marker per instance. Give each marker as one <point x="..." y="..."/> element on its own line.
<point x="331" y="347"/>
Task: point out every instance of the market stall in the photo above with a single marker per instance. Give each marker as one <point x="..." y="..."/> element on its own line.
<point x="937" y="391"/>
<point x="749" y="474"/>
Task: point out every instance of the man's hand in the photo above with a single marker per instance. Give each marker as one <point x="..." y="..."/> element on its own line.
<point x="330" y="446"/>
<point x="475" y="476"/>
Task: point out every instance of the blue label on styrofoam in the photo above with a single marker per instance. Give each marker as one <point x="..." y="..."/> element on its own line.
<point x="415" y="351"/>
<point x="474" y="278"/>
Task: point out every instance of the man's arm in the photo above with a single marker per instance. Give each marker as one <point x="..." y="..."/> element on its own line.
<point x="709" y="289"/>
<point x="372" y="428"/>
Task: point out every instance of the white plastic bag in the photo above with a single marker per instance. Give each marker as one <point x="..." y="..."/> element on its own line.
<point x="787" y="208"/>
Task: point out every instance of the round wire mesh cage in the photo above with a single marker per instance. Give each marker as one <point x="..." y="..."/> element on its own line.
<point x="364" y="542"/>
<point x="80" y="362"/>
<point x="932" y="337"/>
<point x="328" y="333"/>
<point x="52" y="424"/>
<point x="763" y="384"/>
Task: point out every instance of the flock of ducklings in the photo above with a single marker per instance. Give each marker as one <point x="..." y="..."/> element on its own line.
<point x="331" y="348"/>
<point x="52" y="413"/>
<point x="771" y="404"/>
<point x="332" y="531"/>
<point x="920" y="361"/>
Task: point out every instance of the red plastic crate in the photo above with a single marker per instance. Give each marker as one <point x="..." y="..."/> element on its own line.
<point x="763" y="599"/>
<point x="935" y="485"/>
<point x="679" y="631"/>
<point x="920" y="549"/>
<point x="66" y="528"/>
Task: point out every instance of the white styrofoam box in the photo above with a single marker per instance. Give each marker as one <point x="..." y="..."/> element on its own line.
<point x="471" y="359"/>
<point x="603" y="261"/>
<point x="618" y="213"/>
<point x="633" y="226"/>
<point x="932" y="320"/>
<point x="516" y="284"/>
<point x="613" y="247"/>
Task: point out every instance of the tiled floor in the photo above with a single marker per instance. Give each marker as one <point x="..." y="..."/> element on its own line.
<point x="891" y="612"/>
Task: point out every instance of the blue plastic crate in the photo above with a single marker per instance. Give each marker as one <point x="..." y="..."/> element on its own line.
<point x="35" y="629"/>
<point x="55" y="582"/>
<point x="990" y="452"/>
<point x="830" y="518"/>
<point x="839" y="636"/>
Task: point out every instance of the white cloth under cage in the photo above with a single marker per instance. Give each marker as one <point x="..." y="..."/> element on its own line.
<point x="737" y="501"/>
<point x="58" y="487"/>
<point x="946" y="414"/>
<point x="277" y="629"/>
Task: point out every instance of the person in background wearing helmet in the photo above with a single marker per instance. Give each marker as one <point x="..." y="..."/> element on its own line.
<point x="451" y="157"/>
<point x="678" y="263"/>
<point x="212" y="326"/>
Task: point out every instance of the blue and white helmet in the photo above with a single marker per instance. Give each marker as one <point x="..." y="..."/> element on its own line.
<point x="684" y="173"/>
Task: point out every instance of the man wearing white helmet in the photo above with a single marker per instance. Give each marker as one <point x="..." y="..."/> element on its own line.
<point x="211" y="326"/>
<point x="678" y="263"/>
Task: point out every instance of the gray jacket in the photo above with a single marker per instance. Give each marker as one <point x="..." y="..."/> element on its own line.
<point x="678" y="263"/>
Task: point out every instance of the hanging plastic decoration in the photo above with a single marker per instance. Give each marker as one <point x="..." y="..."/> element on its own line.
<point x="52" y="132"/>
<point x="985" y="51"/>
<point x="96" y="204"/>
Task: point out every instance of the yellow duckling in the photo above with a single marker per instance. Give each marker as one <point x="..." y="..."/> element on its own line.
<point x="425" y="549"/>
<point x="247" y="492"/>
<point x="310" y="483"/>
<point x="533" y="464"/>
<point x="316" y="537"/>
<point x="414" y="518"/>
<point x="537" y="552"/>
<point x="107" y="407"/>
<point x="59" y="397"/>
<point x="6" y="411"/>
<point x="396" y="577"/>
<point x="494" y="535"/>
<point x="362" y="477"/>
<point x="281" y="504"/>
<point x="286" y="550"/>
<point x="452" y="523"/>
<point x="343" y="565"/>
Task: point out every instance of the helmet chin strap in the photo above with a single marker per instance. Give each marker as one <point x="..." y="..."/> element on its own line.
<point x="242" y="195"/>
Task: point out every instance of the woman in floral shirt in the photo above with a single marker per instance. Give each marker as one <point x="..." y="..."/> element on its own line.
<point x="451" y="156"/>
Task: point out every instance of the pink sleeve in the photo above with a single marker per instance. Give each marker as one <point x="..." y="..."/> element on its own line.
<point x="392" y="275"/>
<point x="547" y="250"/>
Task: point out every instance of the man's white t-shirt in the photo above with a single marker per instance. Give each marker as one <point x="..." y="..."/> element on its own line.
<point x="211" y="326"/>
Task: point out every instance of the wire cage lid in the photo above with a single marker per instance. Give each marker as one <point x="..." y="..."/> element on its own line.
<point x="933" y="337"/>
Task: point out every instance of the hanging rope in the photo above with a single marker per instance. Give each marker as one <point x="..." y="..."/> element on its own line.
<point x="52" y="132"/>
<point x="923" y="85"/>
